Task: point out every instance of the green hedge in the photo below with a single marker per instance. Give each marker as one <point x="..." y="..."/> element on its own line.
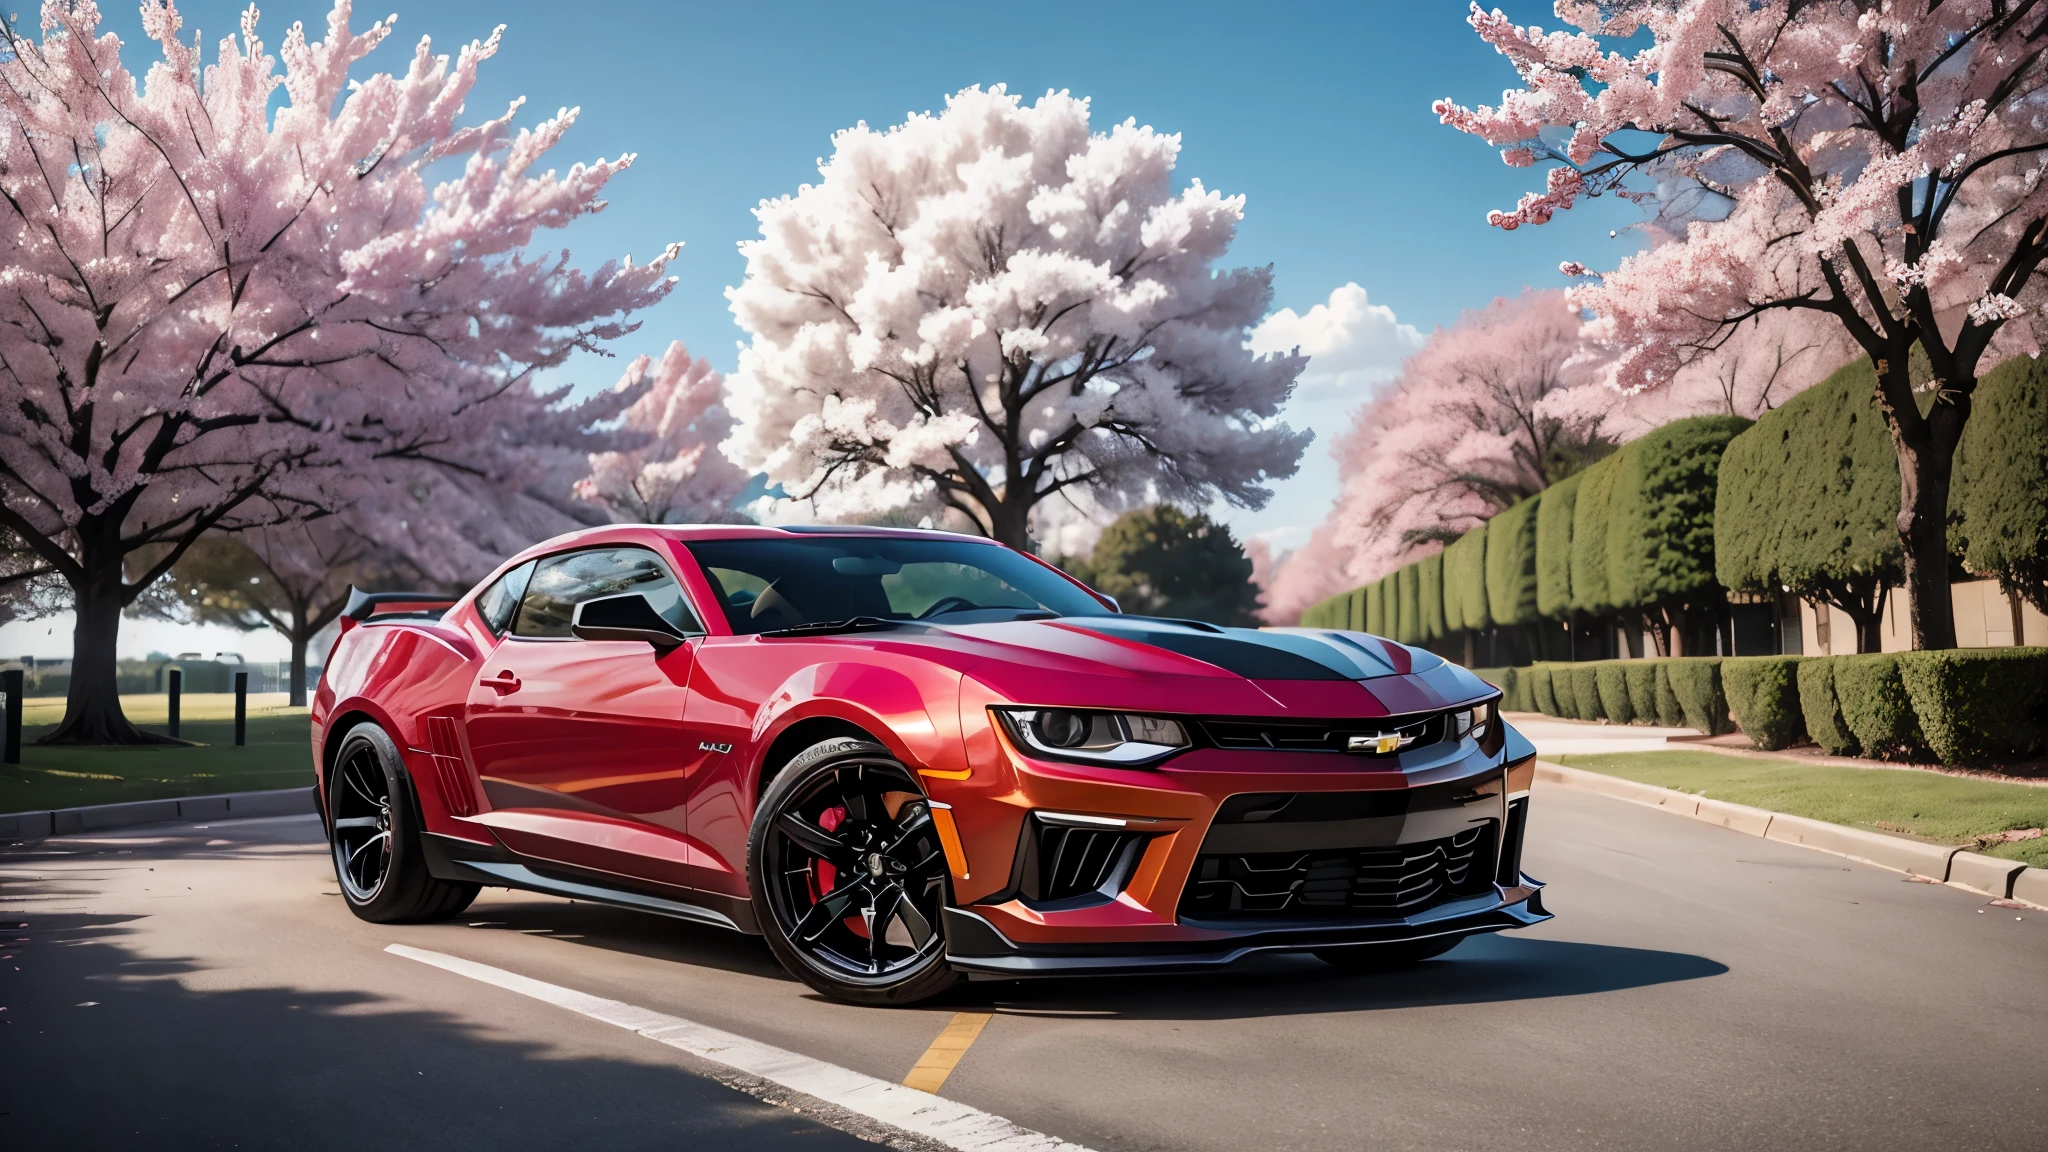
<point x="2001" y="476"/>
<point x="1660" y="513"/>
<point x="1669" y="712"/>
<point x="1586" y="692"/>
<point x="1408" y="598"/>
<point x="1611" y="677"/>
<point x="1822" y="710"/>
<point x="1642" y="689"/>
<point x="1763" y="693"/>
<point x="1589" y="537"/>
<point x="1540" y="694"/>
<point x="1431" y="575"/>
<point x="1375" y="609"/>
<point x="1465" y="582"/>
<point x="1511" y="563"/>
<point x="1979" y="706"/>
<point x="1696" y="683"/>
<point x="1876" y="708"/>
<point x="1554" y="547"/>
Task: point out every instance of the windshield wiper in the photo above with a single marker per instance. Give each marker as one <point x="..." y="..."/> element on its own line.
<point x="828" y="627"/>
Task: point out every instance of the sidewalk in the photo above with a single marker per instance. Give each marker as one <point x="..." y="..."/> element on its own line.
<point x="1555" y="737"/>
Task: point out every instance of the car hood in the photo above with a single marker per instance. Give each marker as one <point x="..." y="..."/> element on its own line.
<point x="1187" y="667"/>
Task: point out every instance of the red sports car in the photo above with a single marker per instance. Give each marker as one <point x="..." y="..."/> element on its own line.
<point x="906" y="758"/>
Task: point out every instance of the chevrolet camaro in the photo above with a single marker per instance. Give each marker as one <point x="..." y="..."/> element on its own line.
<point x="909" y="758"/>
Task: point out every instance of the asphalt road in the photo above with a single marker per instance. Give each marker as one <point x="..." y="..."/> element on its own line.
<point x="204" y="987"/>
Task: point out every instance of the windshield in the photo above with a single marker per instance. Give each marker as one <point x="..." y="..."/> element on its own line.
<point x="766" y="585"/>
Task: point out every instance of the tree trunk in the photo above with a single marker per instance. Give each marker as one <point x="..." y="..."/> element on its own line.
<point x="92" y="709"/>
<point x="299" y="639"/>
<point x="1926" y="462"/>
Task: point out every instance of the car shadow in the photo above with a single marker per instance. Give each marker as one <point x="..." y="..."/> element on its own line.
<point x="1482" y="970"/>
<point x="105" y="1047"/>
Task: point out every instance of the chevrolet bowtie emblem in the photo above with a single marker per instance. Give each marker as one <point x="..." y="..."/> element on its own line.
<point x="1380" y="742"/>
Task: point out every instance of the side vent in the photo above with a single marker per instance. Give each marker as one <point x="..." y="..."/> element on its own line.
<point x="458" y="793"/>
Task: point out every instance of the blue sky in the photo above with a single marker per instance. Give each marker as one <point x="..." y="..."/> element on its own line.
<point x="1317" y="113"/>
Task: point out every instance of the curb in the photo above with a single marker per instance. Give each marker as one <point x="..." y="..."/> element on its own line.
<point x="1984" y="875"/>
<point x="103" y="817"/>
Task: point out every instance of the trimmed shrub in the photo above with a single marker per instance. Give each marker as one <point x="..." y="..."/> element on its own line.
<point x="1763" y="693"/>
<point x="1821" y="711"/>
<point x="1511" y="563"/>
<point x="1979" y="706"/>
<point x="1586" y="691"/>
<point x="1612" y="678"/>
<point x="1498" y="677"/>
<point x="1465" y="582"/>
<point x="1876" y="707"/>
<point x="1542" y="697"/>
<point x="1696" y="682"/>
<point x="1554" y="547"/>
<point x="1670" y="714"/>
<point x="1660" y="515"/>
<point x="1641" y="676"/>
<point x="1589" y="537"/>
<point x="1808" y="498"/>
<point x="1354" y="610"/>
<point x="2001" y="472"/>
<point x="1431" y="573"/>
<point x="1408" y="598"/>
<point x="1375" y="609"/>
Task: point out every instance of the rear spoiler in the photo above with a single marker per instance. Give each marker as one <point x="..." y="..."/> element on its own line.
<point x="417" y="605"/>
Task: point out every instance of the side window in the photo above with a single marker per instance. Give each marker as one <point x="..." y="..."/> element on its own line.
<point x="562" y="582"/>
<point x="499" y="600"/>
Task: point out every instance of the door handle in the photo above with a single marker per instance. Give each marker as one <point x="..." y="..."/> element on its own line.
<point x="503" y="683"/>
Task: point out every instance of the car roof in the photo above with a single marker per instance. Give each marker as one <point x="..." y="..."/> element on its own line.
<point x="688" y="532"/>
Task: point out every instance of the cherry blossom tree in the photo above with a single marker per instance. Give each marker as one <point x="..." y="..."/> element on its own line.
<point x="678" y="475"/>
<point x="1877" y="163"/>
<point x="218" y="316"/>
<point x="975" y="311"/>
<point x="1464" y="432"/>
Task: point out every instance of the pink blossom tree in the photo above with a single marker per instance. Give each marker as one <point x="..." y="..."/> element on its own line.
<point x="976" y="311"/>
<point x="217" y="317"/>
<point x="678" y="475"/>
<point x="1878" y="164"/>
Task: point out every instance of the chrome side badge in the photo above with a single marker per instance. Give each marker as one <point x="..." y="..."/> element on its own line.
<point x="707" y="746"/>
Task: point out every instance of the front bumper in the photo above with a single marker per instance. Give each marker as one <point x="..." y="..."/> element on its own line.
<point x="976" y="947"/>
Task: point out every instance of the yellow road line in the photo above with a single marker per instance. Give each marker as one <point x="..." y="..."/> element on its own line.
<point x="939" y="1060"/>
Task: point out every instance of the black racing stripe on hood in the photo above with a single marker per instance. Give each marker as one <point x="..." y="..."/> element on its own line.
<point x="1246" y="654"/>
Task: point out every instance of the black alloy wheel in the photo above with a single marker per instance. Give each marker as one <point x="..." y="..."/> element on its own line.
<point x="375" y="836"/>
<point x="849" y="878"/>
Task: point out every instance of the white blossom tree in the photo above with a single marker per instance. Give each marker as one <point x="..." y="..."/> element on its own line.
<point x="678" y="475"/>
<point x="982" y="309"/>
<point x="216" y="316"/>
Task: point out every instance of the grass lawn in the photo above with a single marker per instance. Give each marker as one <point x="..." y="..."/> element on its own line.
<point x="1927" y="805"/>
<point x="276" y="755"/>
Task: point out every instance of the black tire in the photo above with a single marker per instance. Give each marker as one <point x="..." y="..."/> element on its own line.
<point x="819" y="879"/>
<point x="1387" y="957"/>
<point x="373" y="829"/>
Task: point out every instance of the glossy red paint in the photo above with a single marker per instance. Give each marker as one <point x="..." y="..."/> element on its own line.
<point x="616" y="760"/>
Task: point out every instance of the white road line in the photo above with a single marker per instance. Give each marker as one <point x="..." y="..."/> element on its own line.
<point x="953" y="1124"/>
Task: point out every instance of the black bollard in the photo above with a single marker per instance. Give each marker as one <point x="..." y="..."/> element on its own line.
<point x="10" y="687"/>
<point x="174" y="686"/>
<point x="241" y="708"/>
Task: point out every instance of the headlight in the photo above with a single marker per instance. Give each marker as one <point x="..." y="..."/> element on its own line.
<point x="1481" y="724"/>
<point x="1123" y="738"/>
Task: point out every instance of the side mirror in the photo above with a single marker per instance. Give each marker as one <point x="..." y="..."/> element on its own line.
<point x="625" y="617"/>
<point x="1109" y="600"/>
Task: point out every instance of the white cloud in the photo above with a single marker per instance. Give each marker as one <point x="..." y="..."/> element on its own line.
<point x="1353" y="346"/>
<point x="1350" y="341"/>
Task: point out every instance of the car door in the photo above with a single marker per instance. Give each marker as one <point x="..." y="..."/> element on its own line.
<point x="578" y="743"/>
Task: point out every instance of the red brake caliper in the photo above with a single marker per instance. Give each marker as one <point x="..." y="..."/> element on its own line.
<point x="825" y="876"/>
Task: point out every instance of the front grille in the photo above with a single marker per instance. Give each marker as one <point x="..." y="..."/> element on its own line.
<point x="1322" y="735"/>
<point x="1076" y="862"/>
<point x="1386" y="882"/>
